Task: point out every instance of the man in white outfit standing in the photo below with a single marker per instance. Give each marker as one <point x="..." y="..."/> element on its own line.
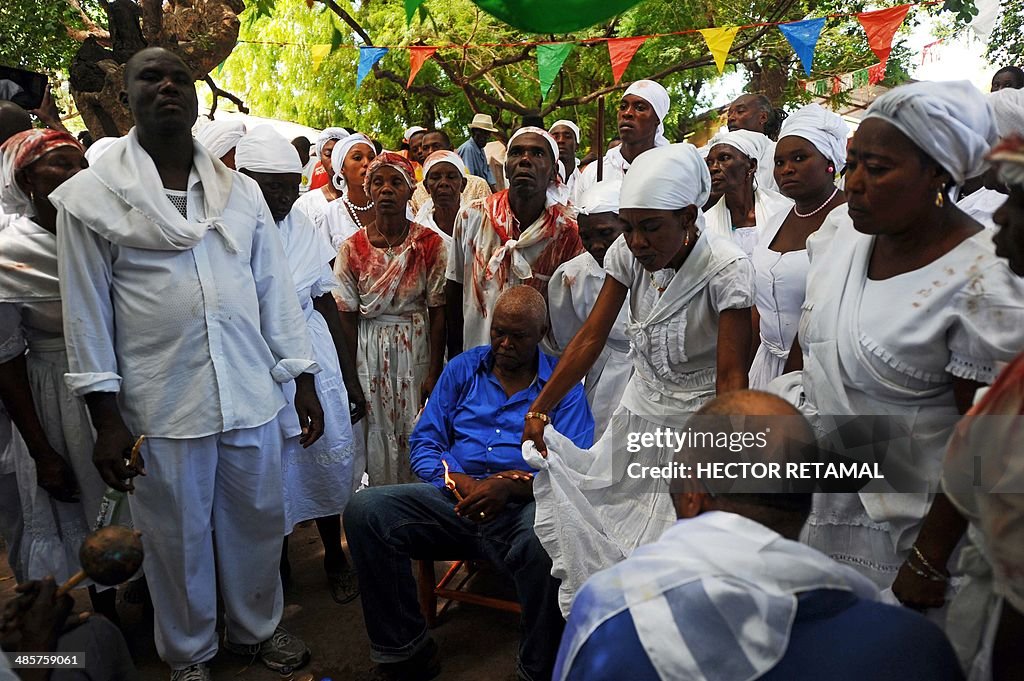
<point x="182" y="323"/>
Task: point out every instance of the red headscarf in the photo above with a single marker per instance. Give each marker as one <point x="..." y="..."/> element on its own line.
<point x="393" y="160"/>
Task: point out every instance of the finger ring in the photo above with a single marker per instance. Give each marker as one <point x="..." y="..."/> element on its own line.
<point x="482" y="514"/>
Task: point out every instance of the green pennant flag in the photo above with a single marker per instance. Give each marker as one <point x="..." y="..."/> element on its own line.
<point x="550" y="58"/>
<point x="410" y="8"/>
<point x="556" y="17"/>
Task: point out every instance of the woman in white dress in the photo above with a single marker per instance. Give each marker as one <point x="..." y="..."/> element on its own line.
<point x="314" y="203"/>
<point x="810" y="152"/>
<point x="318" y="480"/>
<point x="391" y="300"/>
<point x="60" y="489"/>
<point x="354" y="209"/>
<point x="743" y="211"/>
<point x="445" y="178"/>
<point x="908" y="311"/>
<point x="689" y="329"/>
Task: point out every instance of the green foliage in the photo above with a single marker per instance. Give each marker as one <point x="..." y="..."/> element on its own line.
<point x="34" y="33"/>
<point x="1006" y="44"/>
<point x="278" y="80"/>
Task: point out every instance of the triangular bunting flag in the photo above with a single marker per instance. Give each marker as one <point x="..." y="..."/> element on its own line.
<point x="881" y="27"/>
<point x="410" y="8"/>
<point x="802" y="37"/>
<point x="876" y="74"/>
<point x="719" y="41"/>
<point x="550" y="58"/>
<point x="418" y="55"/>
<point x="317" y="53"/>
<point x="621" y="51"/>
<point x="368" y="56"/>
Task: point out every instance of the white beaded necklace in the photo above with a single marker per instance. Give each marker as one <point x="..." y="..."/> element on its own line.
<point x="354" y="210"/>
<point x="819" y="208"/>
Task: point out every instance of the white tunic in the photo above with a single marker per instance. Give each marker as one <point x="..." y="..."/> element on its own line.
<point x="572" y="292"/>
<point x="314" y="204"/>
<point x="892" y="348"/>
<point x="590" y="513"/>
<point x="317" y="479"/>
<point x="338" y="225"/>
<point x="766" y="204"/>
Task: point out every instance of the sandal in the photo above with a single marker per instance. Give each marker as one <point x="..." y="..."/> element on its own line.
<point x="344" y="585"/>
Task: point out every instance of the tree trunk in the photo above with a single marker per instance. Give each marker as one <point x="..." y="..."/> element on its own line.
<point x="202" y="32"/>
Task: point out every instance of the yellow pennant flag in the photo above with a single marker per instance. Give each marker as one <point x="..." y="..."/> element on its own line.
<point x="317" y="54"/>
<point x="719" y="41"/>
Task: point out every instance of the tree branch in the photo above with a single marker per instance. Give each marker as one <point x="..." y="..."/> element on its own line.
<point x="430" y="90"/>
<point x="347" y="18"/>
<point x="92" y="29"/>
<point x="217" y="92"/>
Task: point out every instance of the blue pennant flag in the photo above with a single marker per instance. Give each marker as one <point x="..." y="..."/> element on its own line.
<point x="368" y="56"/>
<point x="803" y="37"/>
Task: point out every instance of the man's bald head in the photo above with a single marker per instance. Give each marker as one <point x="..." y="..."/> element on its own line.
<point x="160" y="91"/>
<point x="143" y="56"/>
<point x="13" y="119"/>
<point x="748" y="403"/>
<point x="519" y="321"/>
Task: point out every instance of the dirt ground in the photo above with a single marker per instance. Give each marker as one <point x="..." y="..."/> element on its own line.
<point x="476" y="643"/>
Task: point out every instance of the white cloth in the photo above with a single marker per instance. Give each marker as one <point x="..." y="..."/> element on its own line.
<point x="982" y="205"/>
<point x="425" y="217"/>
<point x="753" y="145"/>
<point x="572" y="292"/>
<point x="326" y="136"/>
<point x="589" y="513"/>
<point x="766" y="204"/>
<point x="338" y="225"/>
<point x="748" y="576"/>
<point x="98" y="148"/>
<point x="220" y="137"/>
<point x="317" y="479"/>
<point x="951" y="122"/>
<point x="231" y="481"/>
<point x="314" y="204"/>
<point x="603" y="197"/>
<point x="824" y="129"/>
<point x="444" y="156"/>
<point x="569" y="124"/>
<point x="958" y="317"/>
<point x="13" y="199"/>
<point x="1008" y="108"/>
<point x="210" y="358"/>
<point x="264" y="150"/>
<point x="339" y="153"/>
<point x="780" y="283"/>
<point x="658" y="98"/>
<point x="666" y="178"/>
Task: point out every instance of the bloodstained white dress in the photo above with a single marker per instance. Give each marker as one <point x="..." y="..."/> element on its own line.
<point x="392" y="294"/>
<point x="572" y="292"/>
<point x="317" y="479"/>
<point x="590" y="513"/>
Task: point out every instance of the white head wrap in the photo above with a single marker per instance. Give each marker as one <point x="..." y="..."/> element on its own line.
<point x="1008" y="105"/>
<point x="557" y="191"/>
<point x="569" y="124"/>
<point x="952" y="122"/>
<point x="658" y="98"/>
<point x="341" y="150"/>
<point x="666" y="178"/>
<point x="601" y="197"/>
<point x="409" y="132"/>
<point x="264" y="150"/>
<point x="443" y="156"/>
<point x="822" y="128"/>
<point x="326" y="136"/>
<point x="750" y="144"/>
<point x="220" y="137"/>
<point x="98" y="148"/>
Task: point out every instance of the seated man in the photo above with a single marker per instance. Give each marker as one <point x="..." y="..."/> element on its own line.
<point x="728" y="593"/>
<point x="473" y="422"/>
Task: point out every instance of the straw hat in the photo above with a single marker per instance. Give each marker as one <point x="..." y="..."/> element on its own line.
<point x="483" y="122"/>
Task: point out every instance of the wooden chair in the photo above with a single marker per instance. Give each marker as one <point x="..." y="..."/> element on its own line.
<point x="430" y="590"/>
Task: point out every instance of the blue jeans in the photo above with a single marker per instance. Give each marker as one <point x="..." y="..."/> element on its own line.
<point x="388" y="526"/>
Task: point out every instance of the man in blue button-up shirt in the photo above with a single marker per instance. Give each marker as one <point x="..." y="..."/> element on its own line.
<point x="474" y="423"/>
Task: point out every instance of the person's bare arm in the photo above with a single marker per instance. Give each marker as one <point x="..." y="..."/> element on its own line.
<point x="327" y="307"/>
<point x="453" y="317"/>
<point x="437" y="347"/>
<point x="733" y="350"/>
<point x="795" y="361"/>
<point x="113" y="442"/>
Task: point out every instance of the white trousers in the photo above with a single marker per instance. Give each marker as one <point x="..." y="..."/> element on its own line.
<point x="231" y="481"/>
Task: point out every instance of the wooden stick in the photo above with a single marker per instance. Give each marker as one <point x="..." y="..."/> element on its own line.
<point x="75" y="580"/>
<point x="600" y="139"/>
<point x="451" y="486"/>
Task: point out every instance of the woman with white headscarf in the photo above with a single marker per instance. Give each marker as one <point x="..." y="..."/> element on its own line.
<point x="908" y="311"/>
<point x="445" y="178"/>
<point x="745" y="207"/>
<point x="689" y="303"/>
<point x="810" y="153"/>
<point x="354" y="209"/>
<point x="220" y="138"/>
<point x="641" y="125"/>
<point x="573" y="292"/>
<point x="314" y="202"/>
<point x="318" y="479"/>
<point x="60" y="489"/>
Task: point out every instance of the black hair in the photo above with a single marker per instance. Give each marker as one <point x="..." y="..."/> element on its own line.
<point x="442" y="133"/>
<point x="773" y="125"/>
<point x="1016" y="72"/>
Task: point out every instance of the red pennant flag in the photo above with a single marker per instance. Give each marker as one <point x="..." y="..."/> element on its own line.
<point x="418" y="55"/>
<point x="876" y="74"/>
<point x="621" y="51"/>
<point x="881" y="27"/>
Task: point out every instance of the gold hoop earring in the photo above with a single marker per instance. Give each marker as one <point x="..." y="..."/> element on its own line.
<point x="940" y="199"/>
